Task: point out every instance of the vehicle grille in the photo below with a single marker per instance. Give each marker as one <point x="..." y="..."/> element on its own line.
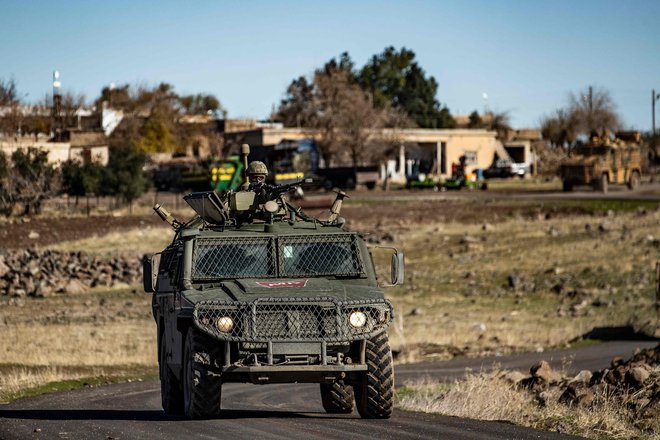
<point x="293" y="319"/>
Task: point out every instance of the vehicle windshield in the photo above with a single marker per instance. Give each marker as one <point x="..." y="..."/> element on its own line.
<point x="335" y="255"/>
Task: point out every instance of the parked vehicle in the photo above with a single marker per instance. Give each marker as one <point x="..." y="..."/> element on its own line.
<point x="503" y="168"/>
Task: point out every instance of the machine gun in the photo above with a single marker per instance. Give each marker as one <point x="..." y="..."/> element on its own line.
<point x="272" y="192"/>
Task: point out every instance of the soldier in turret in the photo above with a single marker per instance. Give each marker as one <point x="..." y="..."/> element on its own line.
<point x="257" y="172"/>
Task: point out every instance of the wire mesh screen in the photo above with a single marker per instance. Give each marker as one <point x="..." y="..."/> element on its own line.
<point x="319" y="255"/>
<point x="293" y="319"/>
<point x="241" y="257"/>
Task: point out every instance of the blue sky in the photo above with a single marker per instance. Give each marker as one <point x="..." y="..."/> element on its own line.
<point x="526" y="55"/>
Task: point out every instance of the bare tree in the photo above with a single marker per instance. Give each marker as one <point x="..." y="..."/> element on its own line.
<point x="594" y="110"/>
<point x="588" y="112"/>
<point x="345" y="116"/>
<point x="560" y="128"/>
<point x="10" y="111"/>
<point x="500" y="122"/>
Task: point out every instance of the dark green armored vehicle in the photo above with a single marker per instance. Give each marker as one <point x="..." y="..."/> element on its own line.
<point x="253" y="290"/>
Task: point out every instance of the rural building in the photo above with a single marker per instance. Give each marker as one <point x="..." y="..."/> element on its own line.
<point x="416" y="150"/>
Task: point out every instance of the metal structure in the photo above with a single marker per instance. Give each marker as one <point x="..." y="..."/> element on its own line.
<point x="57" y="117"/>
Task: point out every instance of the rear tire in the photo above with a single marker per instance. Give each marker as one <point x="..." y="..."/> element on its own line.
<point x="374" y="394"/>
<point x="634" y="180"/>
<point x="567" y="186"/>
<point x="171" y="394"/>
<point x="603" y="183"/>
<point x="337" y="398"/>
<point x="202" y="383"/>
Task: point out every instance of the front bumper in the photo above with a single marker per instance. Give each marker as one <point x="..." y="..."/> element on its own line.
<point x="265" y="374"/>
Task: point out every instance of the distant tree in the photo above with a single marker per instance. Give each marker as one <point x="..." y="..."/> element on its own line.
<point x="8" y="92"/>
<point x="590" y="111"/>
<point x="71" y="104"/>
<point x="475" y="120"/>
<point x="28" y="180"/>
<point x="124" y="175"/>
<point x="157" y="135"/>
<point x="297" y="107"/>
<point x="500" y="123"/>
<point x="200" y="104"/>
<point x="79" y="180"/>
<point x="6" y="197"/>
<point x="343" y="64"/>
<point x="116" y="97"/>
<point x="594" y="110"/>
<point x="346" y="117"/>
<point x="560" y="128"/>
<point x="396" y="79"/>
<point x="393" y="80"/>
<point x="10" y="103"/>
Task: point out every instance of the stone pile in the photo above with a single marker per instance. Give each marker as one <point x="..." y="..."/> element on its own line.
<point x="41" y="273"/>
<point x="634" y="384"/>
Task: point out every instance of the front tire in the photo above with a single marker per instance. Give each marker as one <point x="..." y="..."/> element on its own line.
<point x="633" y="183"/>
<point x="337" y="398"/>
<point x="171" y="394"/>
<point x="202" y="382"/>
<point x="374" y="394"/>
<point x="603" y="183"/>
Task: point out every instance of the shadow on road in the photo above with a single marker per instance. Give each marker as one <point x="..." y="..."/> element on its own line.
<point x="151" y="415"/>
<point x="622" y="333"/>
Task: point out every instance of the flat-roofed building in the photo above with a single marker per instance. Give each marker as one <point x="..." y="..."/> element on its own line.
<point x="416" y="150"/>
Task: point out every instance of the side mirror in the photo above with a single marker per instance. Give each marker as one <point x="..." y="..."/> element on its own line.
<point x="397" y="268"/>
<point x="150" y="265"/>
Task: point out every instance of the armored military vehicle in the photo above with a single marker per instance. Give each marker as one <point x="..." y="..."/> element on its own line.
<point x="253" y="290"/>
<point x="603" y="161"/>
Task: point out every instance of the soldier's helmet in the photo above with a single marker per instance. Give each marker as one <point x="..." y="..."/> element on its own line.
<point x="257" y="171"/>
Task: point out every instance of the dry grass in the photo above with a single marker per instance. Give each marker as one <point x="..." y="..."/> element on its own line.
<point x="100" y="333"/>
<point x="135" y="242"/>
<point x="457" y="294"/>
<point x="491" y="397"/>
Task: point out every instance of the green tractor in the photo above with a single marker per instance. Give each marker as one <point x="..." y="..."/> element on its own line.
<point x="227" y="174"/>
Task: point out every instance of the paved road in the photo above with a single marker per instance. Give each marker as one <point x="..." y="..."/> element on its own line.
<point x="132" y="410"/>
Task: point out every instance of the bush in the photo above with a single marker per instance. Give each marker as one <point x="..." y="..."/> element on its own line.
<point x="27" y="179"/>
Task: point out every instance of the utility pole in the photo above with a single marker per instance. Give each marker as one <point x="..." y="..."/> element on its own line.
<point x="654" y="149"/>
<point x="591" y="108"/>
<point x="653" y="99"/>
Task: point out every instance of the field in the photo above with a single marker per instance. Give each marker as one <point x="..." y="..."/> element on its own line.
<point x="483" y="275"/>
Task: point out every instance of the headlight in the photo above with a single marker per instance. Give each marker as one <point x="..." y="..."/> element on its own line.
<point x="357" y="319"/>
<point x="225" y="324"/>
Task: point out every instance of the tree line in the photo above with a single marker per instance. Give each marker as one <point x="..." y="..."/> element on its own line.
<point x="27" y="179"/>
<point x="346" y="104"/>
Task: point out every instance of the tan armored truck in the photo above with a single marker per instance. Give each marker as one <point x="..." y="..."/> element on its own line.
<point x="604" y="161"/>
